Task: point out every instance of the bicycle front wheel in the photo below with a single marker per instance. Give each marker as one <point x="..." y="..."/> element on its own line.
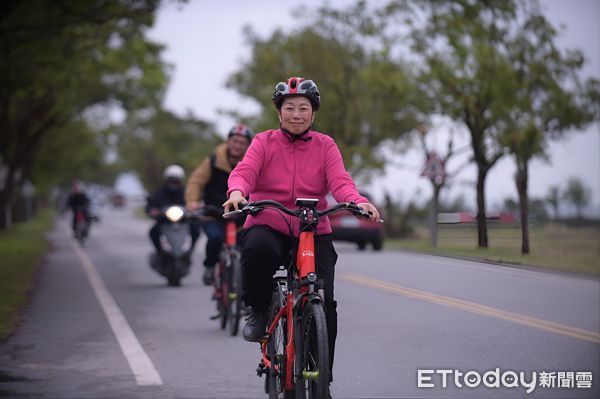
<point x="223" y="297"/>
<point x="313" y="354"/>
<point x="275" y="382"/>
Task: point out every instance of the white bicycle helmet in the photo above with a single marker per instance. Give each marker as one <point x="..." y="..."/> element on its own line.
<point x="174" y="172"/>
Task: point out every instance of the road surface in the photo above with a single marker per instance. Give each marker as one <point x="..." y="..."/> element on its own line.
<point x="101" y="323"/>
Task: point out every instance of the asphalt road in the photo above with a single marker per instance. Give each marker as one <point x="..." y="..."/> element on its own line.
<point x="101" y="323"/>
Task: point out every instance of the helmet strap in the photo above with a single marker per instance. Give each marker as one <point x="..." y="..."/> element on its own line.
<point x="293" y="137"/>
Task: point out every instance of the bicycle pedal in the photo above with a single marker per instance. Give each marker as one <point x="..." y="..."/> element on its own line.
<point x="215" y="317"/>
<point x="261" y="369"/>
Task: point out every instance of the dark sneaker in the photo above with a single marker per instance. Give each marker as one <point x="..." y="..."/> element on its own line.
<point x="209" y="275"/>
<point x="256" y="325"/>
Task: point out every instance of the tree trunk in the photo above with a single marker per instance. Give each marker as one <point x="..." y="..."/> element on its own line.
<point x="521" y="180"/>
<point x="433" y="225"/>
<point x="6" y="199"/>
<point x="481" y="218"/>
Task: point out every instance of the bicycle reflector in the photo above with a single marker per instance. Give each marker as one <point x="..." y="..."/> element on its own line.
<point x="174" y="213"/>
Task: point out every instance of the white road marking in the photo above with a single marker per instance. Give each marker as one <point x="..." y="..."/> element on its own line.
<point x="142" y="367"/>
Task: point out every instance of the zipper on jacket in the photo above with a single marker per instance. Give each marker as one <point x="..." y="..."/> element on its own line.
<point x="293" y="179"/>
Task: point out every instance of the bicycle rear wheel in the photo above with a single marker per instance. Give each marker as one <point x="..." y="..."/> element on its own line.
<point x="235" y="293"/>
<point x="80" y="231"/>
<point x="276" y="347"/>
<point x="313" y="354"/>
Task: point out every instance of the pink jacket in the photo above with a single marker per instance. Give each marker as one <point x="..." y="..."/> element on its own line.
<point x="275" y="169"/>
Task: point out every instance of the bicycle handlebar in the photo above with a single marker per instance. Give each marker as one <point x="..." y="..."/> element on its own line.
<point x="255" y="207"/>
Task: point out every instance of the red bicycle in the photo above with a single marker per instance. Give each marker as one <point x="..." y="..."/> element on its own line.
<point x="295" y="353"/>
<point x="228" y="283"/>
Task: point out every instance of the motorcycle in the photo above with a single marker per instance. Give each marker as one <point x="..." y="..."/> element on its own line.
<point x="174" y="263"/>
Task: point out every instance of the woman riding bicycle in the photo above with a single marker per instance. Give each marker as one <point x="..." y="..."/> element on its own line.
<point x="282" y="165"/>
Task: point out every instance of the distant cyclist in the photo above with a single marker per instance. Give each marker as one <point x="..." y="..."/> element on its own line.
<point x="78" y="201"/>
<point x="282" y="165"/>
<point x="208" y="184"/>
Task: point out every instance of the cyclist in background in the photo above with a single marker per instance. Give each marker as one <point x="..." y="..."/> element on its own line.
<point x="284" y="164"/>
<point x="78" y="199"/>
<point x="170" y="193"/>
<point x="208" y="184"/>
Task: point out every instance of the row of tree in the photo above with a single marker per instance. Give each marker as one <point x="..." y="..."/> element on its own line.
<point x="66" y="69"/>
<point x="491" y="66"/>
<point x="59" y="60"/>
<point x="574" y="193"/>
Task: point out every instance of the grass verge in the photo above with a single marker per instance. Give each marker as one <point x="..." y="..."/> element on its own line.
<point x="21" y="250"/>
<point x="569" y="249"/>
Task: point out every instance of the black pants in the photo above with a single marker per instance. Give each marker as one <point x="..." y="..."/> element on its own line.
<point x="215" y="234"/>
<point x="155" y="235"/>
<point x="264" y="249"/>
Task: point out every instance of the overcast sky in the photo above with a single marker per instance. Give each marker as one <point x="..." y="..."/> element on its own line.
<point x="205" y="44"/>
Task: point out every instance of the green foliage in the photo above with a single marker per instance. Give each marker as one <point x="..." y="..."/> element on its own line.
<point x="494" y="66"/>
<point x="577" y="194"/>
<point x="149" y="143"/>
<point x="547" y="93"/>
<point x="367" y="97"/>
<point x="511" y="205"/>
<point x="57" y="59"/>
<point x="537" y="210"/>
<point x="72" y="152"/>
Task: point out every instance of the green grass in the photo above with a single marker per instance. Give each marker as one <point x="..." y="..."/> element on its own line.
<point x="571" y="249"/>
<point x="21" y="249"/>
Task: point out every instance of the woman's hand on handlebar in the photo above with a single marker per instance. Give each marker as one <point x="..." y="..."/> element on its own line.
<point x="370" y="208"/>
<point x="235" y="199"/>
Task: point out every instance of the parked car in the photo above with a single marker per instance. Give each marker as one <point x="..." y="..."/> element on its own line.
<point x="347" y="227"/>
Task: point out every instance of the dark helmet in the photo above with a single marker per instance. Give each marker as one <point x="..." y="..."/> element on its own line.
<point x="296" y="86"/>
<point x="241" y="130"/>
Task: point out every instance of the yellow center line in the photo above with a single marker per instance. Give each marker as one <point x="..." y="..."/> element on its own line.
<point x="472" y="307"/>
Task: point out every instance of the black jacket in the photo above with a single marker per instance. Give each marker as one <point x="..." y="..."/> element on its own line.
<point x="77" y="200"/>
<point x="164" y="197"/>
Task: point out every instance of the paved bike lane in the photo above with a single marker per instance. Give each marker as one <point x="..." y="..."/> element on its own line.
<point x="64" y="333"/>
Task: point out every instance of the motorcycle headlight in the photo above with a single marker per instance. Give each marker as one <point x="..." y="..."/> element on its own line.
<point x="174" y="213"/>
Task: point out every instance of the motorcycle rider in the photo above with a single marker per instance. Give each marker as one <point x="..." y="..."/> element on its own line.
<point x="208" y="183"/>
<point x="170" y="193"/>
<point x="78" y="200"/>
